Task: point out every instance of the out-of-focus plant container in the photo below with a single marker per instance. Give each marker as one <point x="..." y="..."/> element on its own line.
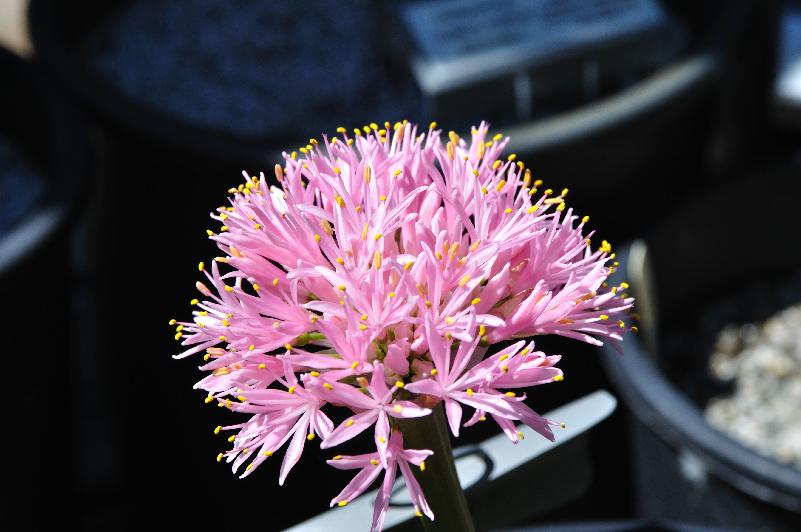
<point x="612" y="98"/>
<point x="43" y="173"/>
<point x="712" y="251"/>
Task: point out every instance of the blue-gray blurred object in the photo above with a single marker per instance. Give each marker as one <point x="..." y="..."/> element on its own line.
<point x="534" y="50"/>
<point x="787" y="86"/>
<point x="22" y="186"/>
<point x="252" y="68"/>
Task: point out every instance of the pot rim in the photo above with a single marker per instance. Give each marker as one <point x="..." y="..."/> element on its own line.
<point x="676" y="420"/>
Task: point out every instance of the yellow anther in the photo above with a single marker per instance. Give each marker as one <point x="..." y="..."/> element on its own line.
<point x="315" y="373"/>
<point x="382" y="439"/>
<point x="220" y="457"/>
<point x="438" y="255"/>
<point x="422" y="465"/>
<point x="524" y="352"/>
<point x="341" y="287"/>
<point x="173" y="321"/>
<point x="621" y="324"/>
<point x="256" y="287"/>
<point x="208" y="399"/>
<point x="432" y="125"/>
<point x="564" y="192"/>
<point x="428" y="303"/>
<point x="482" y="330"/>
<point x="316" y="237"/>
<point x="354" y="365"/>
<point x="231" y="438"/>
<point x="279" y="172"/>
<point x="200" y="266"/>
<point x="470" y="392"/>
<point x="267" y="453"/>
<point x="521" y="435"/>
<point x="364" y="231"/>
<point x="512" y="157"/>
<point x="624" y="285"/>
<point x="276" y="281"/>
<point x="327" y="229"/>
<point x="532" y="209"/>
<point x="510" y="394"/>
<point x="464" y="280"/>
<point x="399" y="384"/>
<point x="178" y="335"/>
<point x="508" y="210"/>
<point x="397" y="408"/>
<point x="397" y="172"/>
<point x="434" y="372"/>
<point x="505" y="369"/>
<point x="262" y="366"/>
<point x="368" y="172"/>
<point x="475" y="301"/>
<point x="377" y="259"/>
<point x="291" y="389"/>
<point x="585" y="219"/>
<point x="229" y="288"/>
<point x="226" y="323"/>
<point x="497" y="137"/>
<point x="342" y="503"/>
<point x="377" y="236"/>
<point x="294" y="155"/>
<point x="349" y="423"/>
<point x="327" y="386"/>
<point x="382" y="198"/>
<point x="341" y="129"/>
<point x="603" y="317"/>
<point x="242" y="398"/>
<point x="340" y="201"/>
<point x="337" y="171"/>
<point x="310" y="437"/>
<point x="482" y="418"/>
<point x="288" y="347"/>
<point x="496" y="165"/>
<point x="634" y="329"/>
<point x="561" y="207"/>
<point x="606" y="247"/>
<point x="484" y="190"/>
<point x="392" y="294"/>
<point x="558" y="378"/>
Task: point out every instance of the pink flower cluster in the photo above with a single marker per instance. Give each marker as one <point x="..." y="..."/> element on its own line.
<point x="375" y="278"/>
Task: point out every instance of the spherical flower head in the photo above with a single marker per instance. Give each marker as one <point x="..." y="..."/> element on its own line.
<point x="374" y="275"/>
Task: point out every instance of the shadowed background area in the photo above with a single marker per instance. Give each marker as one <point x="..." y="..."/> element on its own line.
<point x="123" y="123"/>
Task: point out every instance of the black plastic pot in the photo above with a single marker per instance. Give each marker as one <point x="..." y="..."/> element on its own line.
<point x="685" y="469"/>
<point x="49" y="143"/>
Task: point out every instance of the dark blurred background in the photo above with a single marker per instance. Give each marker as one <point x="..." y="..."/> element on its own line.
<point x="123" y="123"/>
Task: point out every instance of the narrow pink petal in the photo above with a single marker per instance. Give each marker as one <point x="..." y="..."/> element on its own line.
<point x="426" y="386"/>
<point x="382" y="437"/>
<point x="358" y="484"/>
<point x="350" y="428"/>
<point x="415" y="491"/>
<point x="406" y="409"/>
<point x="415" y="456"/>
<point x="359" y="461"/>
<point x="295" y="448"/>
<point x="382" y="500"/>
<point x="453" y="411"/>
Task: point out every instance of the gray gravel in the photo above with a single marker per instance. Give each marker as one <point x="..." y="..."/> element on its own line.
<point x="763" y="363"/>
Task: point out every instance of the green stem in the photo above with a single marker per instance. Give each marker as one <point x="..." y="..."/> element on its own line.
<point x="439" y="481"/>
